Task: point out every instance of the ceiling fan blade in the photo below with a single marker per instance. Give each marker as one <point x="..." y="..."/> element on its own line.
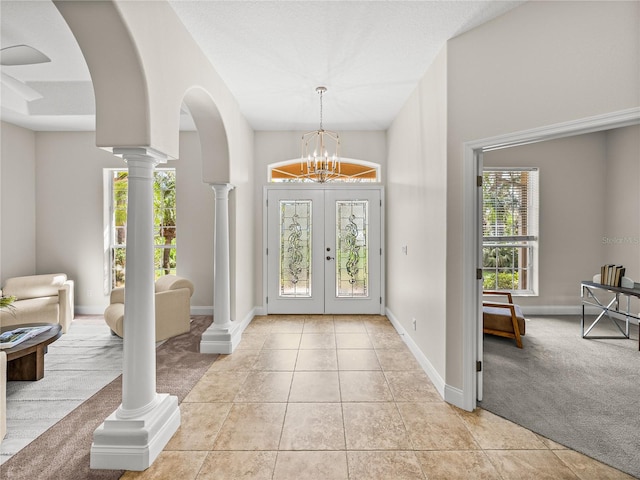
<point x="25" y="91"/>
<point x="22" y="55"/>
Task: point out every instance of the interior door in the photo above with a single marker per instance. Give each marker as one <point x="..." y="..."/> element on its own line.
<point x="324" y="250"/>
<point x="479" y="322"/>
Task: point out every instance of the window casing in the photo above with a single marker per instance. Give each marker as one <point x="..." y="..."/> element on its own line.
<point x="164" y="224"/>
<point x="510" y="198"/>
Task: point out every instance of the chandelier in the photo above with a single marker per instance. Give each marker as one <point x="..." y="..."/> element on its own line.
<point x="320" y="160"/>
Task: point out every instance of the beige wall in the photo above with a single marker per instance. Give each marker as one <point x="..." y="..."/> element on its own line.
<point x="244" y="239"/>
<point x="17" y="202"/>
<point x="67" y="218"/>
<point x="271" y="147"/>
<point x="539" y="64"/>
<point x="69" y="215"/>
<point x="572" y="212"/>
<point x="416" y="215"/>
<point x="589" y="208"/>
<point x="166" y="70"/>
<point x="195" y="217"/>
<point x="621" y="234"/>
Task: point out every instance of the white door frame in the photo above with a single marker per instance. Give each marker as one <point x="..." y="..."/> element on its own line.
<point x="321" y="186"/>
<point x="471" y="311"/>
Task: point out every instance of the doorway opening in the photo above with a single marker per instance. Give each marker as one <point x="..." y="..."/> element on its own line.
<point x="472" y="285"/>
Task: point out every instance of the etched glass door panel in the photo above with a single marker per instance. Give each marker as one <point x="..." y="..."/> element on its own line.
<point x="352" y="248"/>
<point x="296" y="226"/>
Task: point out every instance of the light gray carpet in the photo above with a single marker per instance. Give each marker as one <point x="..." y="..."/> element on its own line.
<point x="584" y="394"/>
<point x="77" y="365"/>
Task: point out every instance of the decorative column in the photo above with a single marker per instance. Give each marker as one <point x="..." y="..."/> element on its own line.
<point x="223" y="335"/>
<point x="134" y="435"/>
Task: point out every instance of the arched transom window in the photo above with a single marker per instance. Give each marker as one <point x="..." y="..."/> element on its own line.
<point x="351" y="170"/>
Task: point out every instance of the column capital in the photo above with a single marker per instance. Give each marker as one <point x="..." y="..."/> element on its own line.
<point x="222" y="186"/>
<point x="128" y="153"/>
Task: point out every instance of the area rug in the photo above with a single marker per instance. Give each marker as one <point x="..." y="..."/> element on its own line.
<point x="581" y="393"/>
<point x="77" y="365"/>
<point x="63" y="451"/>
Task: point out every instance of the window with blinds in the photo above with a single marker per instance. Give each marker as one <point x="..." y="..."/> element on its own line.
<point x="510" y="229"/>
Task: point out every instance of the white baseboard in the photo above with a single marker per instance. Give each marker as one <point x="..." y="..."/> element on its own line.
<point x="551" y="309"/>
<point x="454" y="396"/>
<point x="201" y="310"/>
<point x="99" y="310"/>
<point x="247" y="319"/>
<point x="89" y="310"/>
<point x="434" y="376"/>
<point x="559" y="310"/>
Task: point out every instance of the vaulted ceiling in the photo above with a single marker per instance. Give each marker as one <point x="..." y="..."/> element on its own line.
<point x="271" y="54"/>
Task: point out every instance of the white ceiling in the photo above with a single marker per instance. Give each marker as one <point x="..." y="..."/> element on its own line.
<point x="271" y="54"/>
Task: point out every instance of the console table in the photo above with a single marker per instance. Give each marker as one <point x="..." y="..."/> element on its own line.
<point x="589" y="292"/>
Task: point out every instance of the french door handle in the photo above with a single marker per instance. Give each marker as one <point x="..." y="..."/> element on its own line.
<point x="329" y="258"/>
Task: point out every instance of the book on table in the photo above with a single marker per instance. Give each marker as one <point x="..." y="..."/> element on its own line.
<point x="612" y="274"/>
<point x="16" y="336"/>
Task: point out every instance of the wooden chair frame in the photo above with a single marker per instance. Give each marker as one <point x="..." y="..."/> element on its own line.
<point x="512" y="310"/>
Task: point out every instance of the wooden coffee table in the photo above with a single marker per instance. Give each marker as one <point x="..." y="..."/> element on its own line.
<point x="25" y="361"/>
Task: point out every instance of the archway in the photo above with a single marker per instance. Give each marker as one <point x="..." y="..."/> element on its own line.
<point x="136" y="96"/>
<point x="214" y="145"/>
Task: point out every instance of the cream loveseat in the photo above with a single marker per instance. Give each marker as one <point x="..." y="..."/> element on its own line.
<point x="40" y="299"/>
<point x="173" y="306"/>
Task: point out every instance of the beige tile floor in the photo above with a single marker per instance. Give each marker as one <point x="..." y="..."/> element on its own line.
<point x="324" y="398"/>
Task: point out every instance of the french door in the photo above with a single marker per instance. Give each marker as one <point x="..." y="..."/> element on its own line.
<point x="324" y="250"/>
<point x="478" y="160"/>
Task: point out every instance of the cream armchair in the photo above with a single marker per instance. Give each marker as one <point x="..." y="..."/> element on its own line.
<point x="40" y="299"/>
<point x="172" y="302"/>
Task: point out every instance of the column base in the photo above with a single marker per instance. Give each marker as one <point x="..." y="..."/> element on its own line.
<point x="220" y="340"/>
<point x="134" y="444"/>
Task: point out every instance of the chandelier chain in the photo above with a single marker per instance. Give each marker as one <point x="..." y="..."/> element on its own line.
<point x="320" y="91"/>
